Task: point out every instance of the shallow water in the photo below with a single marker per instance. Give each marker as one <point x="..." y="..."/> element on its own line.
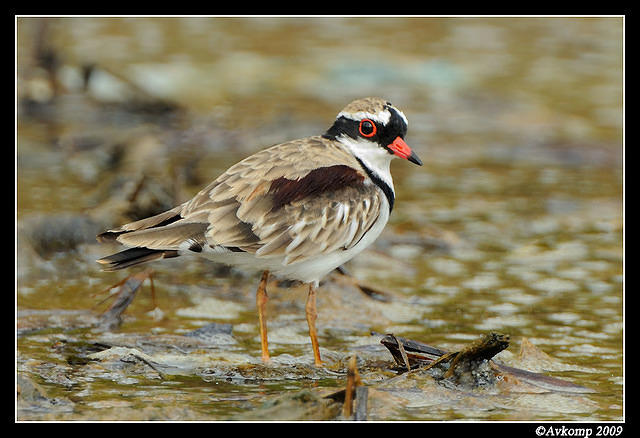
<point x="513" y="224"/>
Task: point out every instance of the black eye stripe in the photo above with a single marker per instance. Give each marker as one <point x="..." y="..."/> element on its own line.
<point x="343" y="126"/>
<point x="384" y="134"/>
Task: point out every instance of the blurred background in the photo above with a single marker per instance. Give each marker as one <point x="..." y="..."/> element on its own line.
<point x="513" y="224"/>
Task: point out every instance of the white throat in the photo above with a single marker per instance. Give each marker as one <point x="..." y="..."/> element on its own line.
<point x="377" y="159"/>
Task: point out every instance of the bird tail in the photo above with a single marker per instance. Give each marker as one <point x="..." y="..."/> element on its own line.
<point x="134" y="256"/>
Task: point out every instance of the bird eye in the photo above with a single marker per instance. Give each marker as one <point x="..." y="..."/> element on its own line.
<point x="367" y="128"/>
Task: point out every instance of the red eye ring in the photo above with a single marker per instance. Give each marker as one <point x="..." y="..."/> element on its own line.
<point x="369" y="130"/>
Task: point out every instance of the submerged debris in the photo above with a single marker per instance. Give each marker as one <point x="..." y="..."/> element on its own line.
<point x="471" y="357"/>
<point x="355" y="393"/>
<point x="467" y="367"/>
<point x="348" y="404"/>
<point x="112" y="317"/>
<point x="416" y="352"/>
<point x="374" y="292"/>
<point x="472" y="366"/>
<point x="353" y="383"/>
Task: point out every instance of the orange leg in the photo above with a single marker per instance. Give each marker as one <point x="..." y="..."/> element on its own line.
<point x="261" y="301"/>
<point x="312" y="315"/>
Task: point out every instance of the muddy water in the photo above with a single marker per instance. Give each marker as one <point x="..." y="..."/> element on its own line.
<point x="513" y="224"/>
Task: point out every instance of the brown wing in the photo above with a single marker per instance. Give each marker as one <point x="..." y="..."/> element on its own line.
<point x="296" y="199"/>
<point x="309" y="227"/>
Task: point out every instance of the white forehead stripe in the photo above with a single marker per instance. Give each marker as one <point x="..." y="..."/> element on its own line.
<point x="382" y="117"/>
